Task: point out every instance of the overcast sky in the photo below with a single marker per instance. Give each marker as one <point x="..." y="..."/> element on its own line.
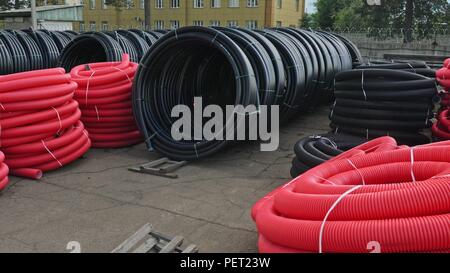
<point x="310" y="6"/>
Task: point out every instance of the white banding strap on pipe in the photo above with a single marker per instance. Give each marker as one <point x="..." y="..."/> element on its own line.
<point x="367" y="134"/>
<point x="360" y="174"/>
<point x="413" y="177"/>
<point x="87" y="87"/>
<point x="322" y="227"/>
<point x="59" y="119"/>
<point x="196" y="152"/>
<point x="98" y="114"/>
<point x="126" y="75"/>
<point x="48" y="150"/>
<point x="332" y="109"/>
<point x="362" y="85"/>
<point x="3" y="107"/>
<point x="324" y="179"/>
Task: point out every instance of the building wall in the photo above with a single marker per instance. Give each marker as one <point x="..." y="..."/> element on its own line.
<point x="266" y="14"/>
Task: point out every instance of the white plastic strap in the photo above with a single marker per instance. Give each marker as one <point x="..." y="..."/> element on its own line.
<point x="59" y="119"/>
<point x="362" y="85"/>
<point x="48" y="150"/>
<point x="87" y="87"/>
<point x="413" y="177"/>
<point x="332" y="109"/>
<point x="96" y="111"/>
<point x="322" y="227"/>
<point x="196" y="152"/>
<point x="116" y="68"/>
<point x="367" y="134"/>
<point x="360" y="174"/>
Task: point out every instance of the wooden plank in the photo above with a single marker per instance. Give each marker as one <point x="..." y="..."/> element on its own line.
<point x="172" y="245"/>
<point x="145" y="247"/>
<point x="190" y="249"/>
<point x="133" y="240"/>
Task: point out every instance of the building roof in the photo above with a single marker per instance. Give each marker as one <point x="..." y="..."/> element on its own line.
<point x="49" y="12"/>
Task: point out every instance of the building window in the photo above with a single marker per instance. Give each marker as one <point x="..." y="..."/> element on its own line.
<point x="198" y="23"/>
<point x="252" y="3"/>
<point x="142" y="4"/>
<point x="198" y="4"/>
<point x="214" y="23"/>
<point x="297" y="5"/>
<point x="174" y="24"/>
<point x="81" y="2"/>
<point x="104" y="5"/>
<point x="233" y="3"/>
<point x="81" y="26"/>
<point x="251" y="24"/>
<point x="233" y="23"/>
<point x="92" y="4"/>
<point x="175" y="4"/>
<point x="105" y="26"/>
<point x="159" y="24"/>
<point x="279" y="24"/>
<point x="92" y="26"/>
<point x="216" y="4"/>
<point x="159" y="4"/>
<point x="129" y="4"/>
<point x="279" y="4"/>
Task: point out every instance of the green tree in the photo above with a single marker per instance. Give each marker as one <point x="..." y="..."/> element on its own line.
<point x="6" y="5"/>
<point x="309" y="21"/>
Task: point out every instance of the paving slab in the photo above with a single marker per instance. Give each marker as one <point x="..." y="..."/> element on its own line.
<point x="97" y="202"/>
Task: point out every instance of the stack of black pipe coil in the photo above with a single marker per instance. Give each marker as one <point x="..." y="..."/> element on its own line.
<point x="377" y="102"/>
<point x="108" y="46"/>
<point x="24" y="50"/>
<point x="292" y="68"/>
<point x="314" y="150"/>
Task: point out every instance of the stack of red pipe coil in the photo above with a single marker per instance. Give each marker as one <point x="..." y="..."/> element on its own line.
<point x="395" y="197"/>
<point x="40" y="122"/>
<point x="104" y="95"/>
<point x="441" y="129"/>
<point x="3" y="172"/>
<point x="443" y="75"/>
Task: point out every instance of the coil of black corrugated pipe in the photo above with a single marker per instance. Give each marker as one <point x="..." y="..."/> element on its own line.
<point x="139" y="43"/>
<point x="32" y="49"/>
<point x="295" y="73"/>
<point x="149" y="38"/>
<point x="188" y="62"/>
<point x="48" y="47"/>
<point x="18" y="55"/>
<point x="6" y="62"/>
<point x="414" y="67"/>
<point x="268" y="84"/>
<point x="378" y="102"/>
<point x="357" y="58"/>
<point x="90" y="47"/>
<point x="61" y="40"/>
<point x="314" y="150"/>
<point x="126" y="44"/>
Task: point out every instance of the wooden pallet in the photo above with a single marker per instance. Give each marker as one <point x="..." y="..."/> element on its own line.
<point x="146" y="240"/>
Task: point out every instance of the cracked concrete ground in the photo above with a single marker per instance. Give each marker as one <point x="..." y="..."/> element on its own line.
<point x="99" y="203"/>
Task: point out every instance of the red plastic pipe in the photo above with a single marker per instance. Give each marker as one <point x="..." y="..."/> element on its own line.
<point x="399" y="198"/>
<point x="40" y="122"/>
<point x="104" y="95"/>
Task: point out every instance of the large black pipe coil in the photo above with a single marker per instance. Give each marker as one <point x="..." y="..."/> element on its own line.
<point x="378" y="102"/>
<point x="314" y="150"/>
<point x="288" y="67"/>
<point x="34" y="53"/>
<point x="192" y="61"/>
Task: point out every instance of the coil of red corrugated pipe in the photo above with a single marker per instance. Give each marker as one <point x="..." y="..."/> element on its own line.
<point x="441" y="129"/>
<point x="443" y="74"/>
<point x="377" y="145"/>
<point x="4" y="180"/>
<point x="104" y="95"/>
<point x="399" y="199"/>
<point x="40" y="122"/>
